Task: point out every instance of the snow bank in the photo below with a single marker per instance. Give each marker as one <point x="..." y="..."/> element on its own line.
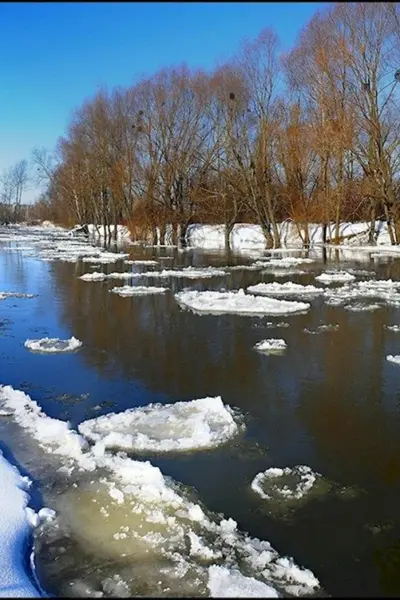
<point x="284" y="289"/>
<point x="237" y="302"/>
<point x="14" y="532"/>
<point x="53" y="345"/>
<point x="127" y="507"/>
<point x="284" y="484"/>
<point x="271" y="346"/>
<point x="123" y="232"/>
<point x="189" y="272"/>
<point x="194" y="425"/>
<point x="95" y="276"/>
<point x="139" y="290"/>
<point x="335" y="277"/>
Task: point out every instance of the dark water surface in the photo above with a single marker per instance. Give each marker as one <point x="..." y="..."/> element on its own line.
<point x="331" y="402"/>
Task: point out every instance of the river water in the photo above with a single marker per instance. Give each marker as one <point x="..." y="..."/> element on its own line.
<point x="330" y="402"/>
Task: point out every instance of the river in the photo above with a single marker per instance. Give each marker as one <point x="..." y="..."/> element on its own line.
<point x="330" y="402"/>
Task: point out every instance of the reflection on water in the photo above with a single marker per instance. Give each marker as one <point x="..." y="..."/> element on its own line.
<point x="331" y="401"/>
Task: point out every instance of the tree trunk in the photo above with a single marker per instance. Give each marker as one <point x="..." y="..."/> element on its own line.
<point x="155" y="236"/>
<point x="162" y="229"/>
<point x="227" y="234"/>
<point x="371" y="234"/>
<point x="266" y="229"/>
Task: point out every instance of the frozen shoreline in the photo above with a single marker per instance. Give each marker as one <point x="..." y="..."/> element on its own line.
<point x="15" y="529"/>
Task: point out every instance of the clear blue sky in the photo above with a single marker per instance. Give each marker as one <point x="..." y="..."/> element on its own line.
<point x="54" y="55"/>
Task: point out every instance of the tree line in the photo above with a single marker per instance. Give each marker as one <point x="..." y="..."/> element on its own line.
<point x="311" y="135"/>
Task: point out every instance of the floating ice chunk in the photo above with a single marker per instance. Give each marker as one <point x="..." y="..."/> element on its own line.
<point x="284" y="289"/>
<point x="321" y="328"/>
<point x="190" y="272"/>
<point x="120" y="275"/>
<point x="95" y="276"/>
<point x="237" y="302"/>
<point x="394" y="359"/>
<point x="52" y="434"/>
<point x="230" y="583"/>
<point x="289" y="261"/>
<point x="335" y="277"/>
<point x="395" y="328"/>
<point x="5" y="295"/>
<point x="203" y="423"/>
<point x="105" y="258"/>
<point x="147" y="263"/>
<point x="284" y="484"/>
<point x="53" y="345"/>
<point x="284" y="272"/>
<point x="271" y="346"/>
<point x="360" y="307"/>
<point x="138" y="290"/>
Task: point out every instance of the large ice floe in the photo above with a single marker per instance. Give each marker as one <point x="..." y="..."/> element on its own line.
<point x="53" y="345"/>
<point x="271" y="346"/>
<point x="237" y="302"/>
<point x="284" y="289"/>
<point x="189" y="272"/>
<point x="124" y="529"/>
<point x="14" y="531"/>
<point x="194" y="425"/>
<point x="381" y="289"/>
<point x="120" y="275"/>
<point x="138" y="290"/>
<point x="335" y="277"/>
<point x="290" y="483"/>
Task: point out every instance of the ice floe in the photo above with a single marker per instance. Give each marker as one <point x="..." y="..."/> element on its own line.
<point x="183" y="426"/>
<point x="53" y="345"/>
<point x="147" y="263"/>
<point x="289" y="261"/>
<point x="5" y="295"/>
<point x="394" y="358"/>
<point x="271" y="346"/>
<point x="139" y="290"/>
<point x="290" y="483"/>
<point x="335" y="277"/>
<point x="189" y="272"/>
<point x="362" y="307"/>
<point x="381" y="289"/>
<point x="284" y="289"/>
<point x="321" y="329"/>
<point x="95" y="276"/>
<point x="120" y="275"/>
<point x="125" y="507"/>
<point x="281" y="273"/>
<point x="237" y="302"/>
<point x="230" y="583"/>
<point x="395" y="328"/>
